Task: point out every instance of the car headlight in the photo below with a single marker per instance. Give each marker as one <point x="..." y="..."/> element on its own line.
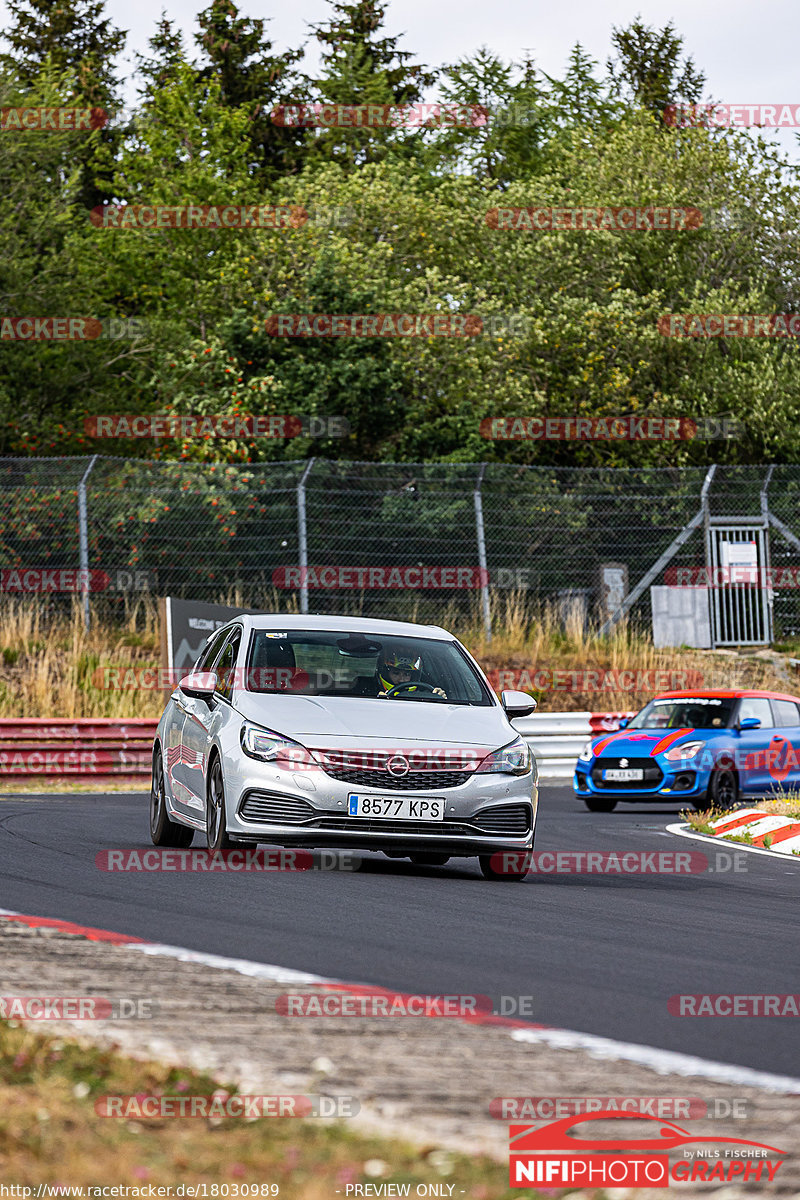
<point x="513" y="759"/>
<point x="267" y="746"/>
<point x="683" y="752"/>
<point x="586" y="753"/>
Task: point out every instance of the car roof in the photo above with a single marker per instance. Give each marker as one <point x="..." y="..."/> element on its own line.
<point x="334" y="623"/>
<point x="732" y="694"/>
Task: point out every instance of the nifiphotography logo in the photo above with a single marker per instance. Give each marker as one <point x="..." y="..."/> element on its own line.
<point x="551" y="1155"/>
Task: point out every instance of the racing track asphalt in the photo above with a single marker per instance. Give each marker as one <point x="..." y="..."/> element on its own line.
<point x="598" y="953"/>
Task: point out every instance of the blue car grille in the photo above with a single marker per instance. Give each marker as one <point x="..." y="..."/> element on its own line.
<point x="652" y="778"/>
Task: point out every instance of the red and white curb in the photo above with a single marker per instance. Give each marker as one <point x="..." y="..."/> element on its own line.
<point x="664" y="1062"/>
<point x="783" y="832"/>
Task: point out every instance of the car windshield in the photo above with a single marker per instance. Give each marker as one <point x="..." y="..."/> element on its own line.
<point x="366" y="666"/>
<point x="693" y="712"/>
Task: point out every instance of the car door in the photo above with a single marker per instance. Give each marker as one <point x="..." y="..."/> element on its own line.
<point x="753" y="745"/>
<point x="179" y="768"/>
<point x="201" y="716"/>
<point x="784" y="761"/>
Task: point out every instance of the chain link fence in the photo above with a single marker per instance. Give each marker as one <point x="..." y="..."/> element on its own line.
<point x="425" y="541"/>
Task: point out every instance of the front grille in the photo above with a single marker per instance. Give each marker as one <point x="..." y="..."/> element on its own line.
<point x="504" y="818"/>
<point x="653" y="775"/>
<point x="275" y="809"/>
<point x="414" y="781"/>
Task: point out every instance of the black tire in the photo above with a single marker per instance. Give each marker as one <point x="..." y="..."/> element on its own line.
<point x="216" y="828"/>
<point x="163" y="831"/>
<point x="723" y="788"/>
<point x="488" y="871"/>
<point x="600" y="803"/>
<point x="427" y="859"/>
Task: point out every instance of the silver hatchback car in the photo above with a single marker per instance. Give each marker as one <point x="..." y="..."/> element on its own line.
<point x="318" y="732"/>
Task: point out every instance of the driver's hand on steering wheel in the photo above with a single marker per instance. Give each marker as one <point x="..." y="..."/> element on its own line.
<point x="439" y="692"/>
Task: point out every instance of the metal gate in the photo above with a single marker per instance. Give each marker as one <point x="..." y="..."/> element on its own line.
<point x="737" y="559"/>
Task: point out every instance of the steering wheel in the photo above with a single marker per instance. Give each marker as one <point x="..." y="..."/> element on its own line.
<point x="408" y="687"/>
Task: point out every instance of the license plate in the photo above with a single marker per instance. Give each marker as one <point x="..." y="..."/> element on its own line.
<point x="622" y="773"/>
<point x="398" y="808"/>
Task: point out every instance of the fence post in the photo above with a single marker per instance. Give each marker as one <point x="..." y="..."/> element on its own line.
<point x="487" y="614"/>
<point x="83" y="543"/>
<point x="302" y="535"/>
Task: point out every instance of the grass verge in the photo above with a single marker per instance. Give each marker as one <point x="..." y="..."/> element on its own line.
<point x="50" y="1133"/>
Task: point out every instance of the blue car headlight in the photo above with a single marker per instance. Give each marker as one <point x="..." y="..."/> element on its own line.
<point x="684" y="752"/>
<point x="586" y="753"/>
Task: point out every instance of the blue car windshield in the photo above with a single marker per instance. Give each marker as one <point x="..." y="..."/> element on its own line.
<point x="696" y="712"/>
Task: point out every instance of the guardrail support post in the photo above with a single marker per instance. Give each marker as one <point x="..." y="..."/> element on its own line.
<point x="302" y="535"/>
<point x="487" y="612"/>
<point x="83" y="543"/>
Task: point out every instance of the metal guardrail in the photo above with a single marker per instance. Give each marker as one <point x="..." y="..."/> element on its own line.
<point x="100" y="749"/>
<point x="105" y="749"/>
<point x="558" y="738"/>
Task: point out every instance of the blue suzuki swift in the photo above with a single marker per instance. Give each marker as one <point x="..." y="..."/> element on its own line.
<point x="706" y="749"/>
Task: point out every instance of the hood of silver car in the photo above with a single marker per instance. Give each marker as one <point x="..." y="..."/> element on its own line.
<point x="313" y="719"/>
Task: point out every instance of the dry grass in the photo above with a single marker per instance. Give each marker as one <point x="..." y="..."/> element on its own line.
<point x="525" y="639"/>
<point x="51" y="1134"/>
<point x="49" y="664"/>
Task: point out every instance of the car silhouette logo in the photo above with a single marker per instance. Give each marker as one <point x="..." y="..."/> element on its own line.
<point x="555" y="1136"/>
<point x="623" y="762"/>
<point x="398" y="766"/>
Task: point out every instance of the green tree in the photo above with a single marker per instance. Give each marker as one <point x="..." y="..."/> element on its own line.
<point x="647" y="69"/>
<point x="236" y="53"/>
<point x="363" y="65"/>
<point x="73" y="40"/>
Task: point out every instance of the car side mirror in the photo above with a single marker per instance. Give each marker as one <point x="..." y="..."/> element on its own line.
<point x="517" y="704"/>
<point x="750" y="723"/>
<point x="624" y="723"/>
<point x="200" y="685"/>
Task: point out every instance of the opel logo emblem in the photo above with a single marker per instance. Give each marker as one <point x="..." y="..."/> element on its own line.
<point x="397" y="766"/>
<point x="623" y="762"/>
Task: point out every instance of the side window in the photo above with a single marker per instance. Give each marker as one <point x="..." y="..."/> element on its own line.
<point x="786" y="713"/>
<point x="756" y="706"/>
<point x="227" y="664"/>
<point x="207" y="656"/>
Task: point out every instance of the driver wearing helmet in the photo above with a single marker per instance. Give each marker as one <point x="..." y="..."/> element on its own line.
<point x="398" y="669"/>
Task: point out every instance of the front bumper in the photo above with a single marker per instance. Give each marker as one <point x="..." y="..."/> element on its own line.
<point x="487" y="814"/>
<point x="672" y="783"/>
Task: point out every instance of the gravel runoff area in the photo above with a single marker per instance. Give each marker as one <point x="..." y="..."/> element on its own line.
<point x="427" y="1081"/>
